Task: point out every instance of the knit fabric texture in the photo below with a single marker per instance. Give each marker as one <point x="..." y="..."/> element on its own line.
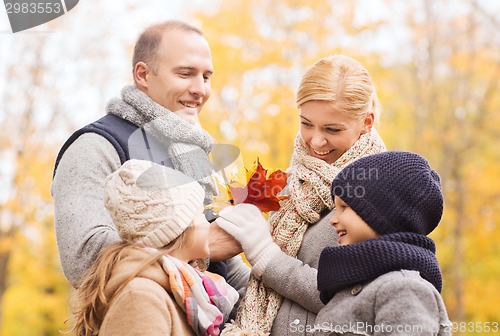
<point x="188" y="145"/>
<point x="151" y="204"/>
<point x="392" y="192"/>
<point x="342" y="266"/>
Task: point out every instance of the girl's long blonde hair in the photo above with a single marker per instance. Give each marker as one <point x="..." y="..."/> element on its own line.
<point x="92" y="303"/>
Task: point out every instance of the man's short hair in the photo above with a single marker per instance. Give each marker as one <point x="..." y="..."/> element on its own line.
<point x="147" y="47"/>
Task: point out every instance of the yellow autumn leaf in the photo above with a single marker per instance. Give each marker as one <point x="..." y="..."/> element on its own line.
<point x="251" y="171"/>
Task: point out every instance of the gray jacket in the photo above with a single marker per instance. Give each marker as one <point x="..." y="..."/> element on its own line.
<point x="82" y="223"/>
<point x="395" y="303"/>
<point x="296" y="280"/>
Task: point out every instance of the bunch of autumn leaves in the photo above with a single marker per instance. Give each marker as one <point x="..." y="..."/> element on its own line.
<point x="260" y="190"/>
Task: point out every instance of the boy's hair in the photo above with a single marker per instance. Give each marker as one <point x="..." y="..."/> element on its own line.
<point x="392" y="192"/>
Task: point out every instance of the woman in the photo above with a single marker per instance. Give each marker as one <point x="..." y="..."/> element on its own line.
<point x="338" y="107"/>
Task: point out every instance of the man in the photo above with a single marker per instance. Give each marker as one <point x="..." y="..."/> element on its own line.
<point x="172" y="66"/>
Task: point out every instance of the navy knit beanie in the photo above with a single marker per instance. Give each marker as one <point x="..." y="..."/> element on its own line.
<point x="392" y="192"/>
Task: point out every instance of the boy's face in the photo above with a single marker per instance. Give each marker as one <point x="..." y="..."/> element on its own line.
<point x="349" y="226"/>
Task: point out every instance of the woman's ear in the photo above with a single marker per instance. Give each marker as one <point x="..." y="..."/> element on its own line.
<point x="368" y="122"/>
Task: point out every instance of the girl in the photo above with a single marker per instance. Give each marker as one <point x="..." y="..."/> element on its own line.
<point x="144" y="284"/>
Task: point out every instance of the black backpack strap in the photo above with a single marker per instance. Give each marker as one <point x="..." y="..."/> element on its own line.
<point x="115" y="130"/>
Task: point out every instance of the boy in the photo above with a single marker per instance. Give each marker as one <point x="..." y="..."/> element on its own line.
<point x="384" y="277"/>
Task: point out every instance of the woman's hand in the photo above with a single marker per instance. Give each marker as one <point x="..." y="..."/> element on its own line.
<point x="246" y="223"/>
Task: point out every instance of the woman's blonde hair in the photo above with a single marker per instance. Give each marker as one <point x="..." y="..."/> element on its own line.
<point x="92" y="301"/>
<point x="343" y="81"/>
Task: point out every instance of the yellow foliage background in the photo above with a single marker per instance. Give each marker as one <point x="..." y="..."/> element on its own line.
<point x="437" y="80"/>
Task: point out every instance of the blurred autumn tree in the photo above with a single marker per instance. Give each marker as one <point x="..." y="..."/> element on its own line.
<point x="261" y="49"/>
<point x="444" y="104"/>
<point x="39" y="108"/>
<point x="31" y="285"/>
<point x="439" y="90"/>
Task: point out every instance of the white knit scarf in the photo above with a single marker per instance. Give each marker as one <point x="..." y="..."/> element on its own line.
<point x="188" y="145"/>
<point x="309" y="195"/>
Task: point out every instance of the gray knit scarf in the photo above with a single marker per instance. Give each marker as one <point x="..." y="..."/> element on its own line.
<point x="188" y="145"/>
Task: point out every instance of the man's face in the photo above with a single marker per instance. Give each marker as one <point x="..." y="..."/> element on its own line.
<point x="182" y="80"/>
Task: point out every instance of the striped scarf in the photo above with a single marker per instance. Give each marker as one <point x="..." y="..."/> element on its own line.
<point x="205" y="297"/>
<point x="310" y="185"/>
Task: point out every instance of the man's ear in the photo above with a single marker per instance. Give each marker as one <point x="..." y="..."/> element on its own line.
<point x="141" y="75"/>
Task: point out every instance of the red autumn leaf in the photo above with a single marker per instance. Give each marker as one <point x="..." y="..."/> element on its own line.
<point x="261" y="191"/>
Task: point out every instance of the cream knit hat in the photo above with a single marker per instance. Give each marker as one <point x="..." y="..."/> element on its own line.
<point x="151" y="204"/>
